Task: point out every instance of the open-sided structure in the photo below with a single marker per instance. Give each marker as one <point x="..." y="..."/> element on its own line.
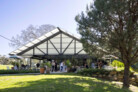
<point x="56" y="44"/>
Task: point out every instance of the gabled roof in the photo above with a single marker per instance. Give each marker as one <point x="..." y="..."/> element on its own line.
<point x="42" y="39"/>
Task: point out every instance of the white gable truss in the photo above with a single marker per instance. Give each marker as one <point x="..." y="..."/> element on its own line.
<point x="56" y="42"/>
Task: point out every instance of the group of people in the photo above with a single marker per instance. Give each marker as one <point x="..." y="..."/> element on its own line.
<point x="98" y="64"/>
<point x="62" y="66"/>
<point x="53" y="64"/>
<point x="94" y="65"/>
<point x="24" y="66"/>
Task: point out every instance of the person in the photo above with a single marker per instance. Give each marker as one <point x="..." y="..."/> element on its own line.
<point x="15" y="67"/>
<point x="87" y="66"/>
<point x="53" y="65"/>
<point x="96" y="65"/>
<point x="100" y="64"/>
<point x="22" y="66"/>
<point x="26" y="66"/>
<point x="37" y="65"/>
<point x="64" y="66"/>
<point x="93" y="65"/>
<point x="61" y="66"/>
<point x="8" y="68"/>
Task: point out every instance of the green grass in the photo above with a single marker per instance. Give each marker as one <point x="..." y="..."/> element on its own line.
<point x="56" y="83"/>
<point x="4" y="67"/>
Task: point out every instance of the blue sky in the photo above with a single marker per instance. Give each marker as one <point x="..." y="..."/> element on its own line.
<point x="16" y="15"/>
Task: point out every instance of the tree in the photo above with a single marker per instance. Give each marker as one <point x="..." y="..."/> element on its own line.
<point x="30" y="34"/>
<point x="4" y="60"/>
<point x="111" y="27"/>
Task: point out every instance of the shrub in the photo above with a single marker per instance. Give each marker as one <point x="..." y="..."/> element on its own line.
<point x="15" y="63"/>
<point x="93" y="71"/>
<point x="17" y="71"/>
<point x="42" y="65"/>
<point x="68" y="63"/>
<point x="109" y="75"/>
<point x="48" y="64"/>
<point x="117" y="63"/>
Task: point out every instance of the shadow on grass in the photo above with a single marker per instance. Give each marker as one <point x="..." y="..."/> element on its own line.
<point x="73" y="84"/>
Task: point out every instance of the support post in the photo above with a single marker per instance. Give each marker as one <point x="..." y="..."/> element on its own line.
<point x="39" y="61"/>
<point x="74" y="46"/>
<point x="61" y="43"/>
<point x="47" y="47"/>
<point x="30" y="62"/>
<point x="19" y="64"/>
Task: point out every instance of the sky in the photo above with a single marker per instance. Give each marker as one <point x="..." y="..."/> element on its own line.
<point x="17" y="15"/>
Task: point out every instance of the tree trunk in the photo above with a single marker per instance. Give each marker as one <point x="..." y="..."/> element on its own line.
<point x="126" y="76"/>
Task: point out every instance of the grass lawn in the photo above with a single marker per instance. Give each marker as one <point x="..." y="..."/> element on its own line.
<point x="57" y="83"/>
<point x="4" y="67"/>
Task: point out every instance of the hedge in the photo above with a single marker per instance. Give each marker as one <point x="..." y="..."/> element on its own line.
<point x="17" y="71"/>
<point x="90" y="72"/>
<point x="109" y="75"/>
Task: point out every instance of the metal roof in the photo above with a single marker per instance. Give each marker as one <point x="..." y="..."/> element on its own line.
<point x="35" y="44"/>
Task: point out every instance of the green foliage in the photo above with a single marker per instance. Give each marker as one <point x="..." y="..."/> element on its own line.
<point x="48" y="64"/>
<point x="135" y="66"/>
<point x="90" y="72"/>
<point x="68" y="63"/>
<point x="111" y="27"/>
<point x="42" y="65"/>
<point x="5" y="60"/>
<point x="117" y="63"/>
<point x="15" y="63"/>
<point x="74" y="61"/>
<point x="17" y="71"/>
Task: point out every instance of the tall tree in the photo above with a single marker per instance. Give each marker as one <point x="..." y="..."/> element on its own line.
<point x="30" y="34"/>
<point x="111" y="27"/>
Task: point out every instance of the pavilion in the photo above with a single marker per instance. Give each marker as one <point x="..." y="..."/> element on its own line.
<point x="56" y="44"/>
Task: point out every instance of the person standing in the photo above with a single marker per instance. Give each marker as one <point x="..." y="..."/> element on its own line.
<point x="53" y="65"/>
<point x="98" y="64"/>
<point x="64" y="66"/>
<point x="37" y="65"/>
<point x="87" y="66"/>
<point x="61" y="66"/>
<point x="93" y="65"/>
